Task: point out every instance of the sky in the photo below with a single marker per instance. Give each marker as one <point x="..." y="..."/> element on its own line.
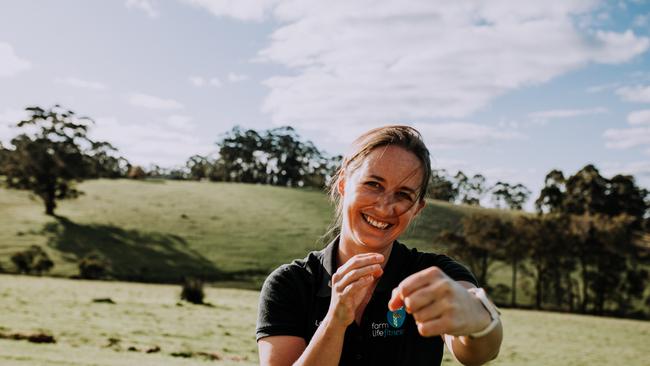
<point x="508" y="89"/>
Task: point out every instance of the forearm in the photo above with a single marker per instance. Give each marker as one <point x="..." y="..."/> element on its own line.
<point x="325" y="347"/>
<point x="476" y="351"/>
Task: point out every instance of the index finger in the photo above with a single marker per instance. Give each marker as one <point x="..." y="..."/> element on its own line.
<point x="412" y="283"/>
<point x="358" y="261"/>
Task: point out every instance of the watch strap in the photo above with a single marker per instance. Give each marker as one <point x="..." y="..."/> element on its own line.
<point x="490" y="307"/>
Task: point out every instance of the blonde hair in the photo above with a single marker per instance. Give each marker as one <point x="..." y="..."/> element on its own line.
<point x="405" y="137"/>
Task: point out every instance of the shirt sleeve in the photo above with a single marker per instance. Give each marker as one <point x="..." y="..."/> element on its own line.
<point x="281" y="311"/>
<point x="453" y="269"/>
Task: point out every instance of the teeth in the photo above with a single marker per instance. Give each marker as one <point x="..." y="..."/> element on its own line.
<point x="375" y="223"/>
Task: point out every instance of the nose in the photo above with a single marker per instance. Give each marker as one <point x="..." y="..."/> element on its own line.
<point x="386" y="205"/>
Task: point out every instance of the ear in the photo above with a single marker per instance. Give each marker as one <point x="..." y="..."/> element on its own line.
<point x="340" y="187"/>
<point x="421" y="205"/>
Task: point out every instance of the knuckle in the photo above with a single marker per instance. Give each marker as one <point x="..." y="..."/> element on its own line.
<point x="424" y="329"/>
<point x="336" y="277"/>
<point x="339" y="287"/>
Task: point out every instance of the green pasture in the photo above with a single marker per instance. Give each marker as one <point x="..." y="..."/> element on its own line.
<point x="146" y="316"/>
<point x="159" y="231"/>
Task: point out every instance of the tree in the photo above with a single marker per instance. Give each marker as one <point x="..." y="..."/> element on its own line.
<point x="103" y="161"/>
<point x="477" y="243"/>
<point x="547" y="247"/>
<point x="239" y="149"/>
<point x="470" y="190"/>
<point x="586" y="192"/>
<point x="50" y="160"/>
<point x="277" y="156"/>
<point x="289" y="159"/>
<point x="199" y="167"/>
<point x="507" y="195"/>
<point x="441" y="187"/>
<point x="513" y="251"/>
<point x="604" y="244"/>
<point x="551" y="196"/>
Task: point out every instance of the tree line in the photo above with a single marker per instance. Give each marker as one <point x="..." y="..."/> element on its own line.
<point x="53" y="152"/>
<point x="460" y="188"/>
<point x="586" y="250"/>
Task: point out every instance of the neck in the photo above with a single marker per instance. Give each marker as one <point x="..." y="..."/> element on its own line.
<point x="348" y="248"/>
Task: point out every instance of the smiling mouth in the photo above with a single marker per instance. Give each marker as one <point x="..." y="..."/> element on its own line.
<point x="375" y="223"/>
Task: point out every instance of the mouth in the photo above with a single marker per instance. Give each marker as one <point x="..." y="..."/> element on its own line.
<point x="376" y="223"/>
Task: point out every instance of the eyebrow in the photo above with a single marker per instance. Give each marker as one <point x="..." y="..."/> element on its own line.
<point x="411" y="190"/>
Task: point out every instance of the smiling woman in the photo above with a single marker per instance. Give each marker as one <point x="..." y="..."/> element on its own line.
<point x="366" y="298"/>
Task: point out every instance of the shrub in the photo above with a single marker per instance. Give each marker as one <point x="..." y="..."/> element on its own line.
<point x="93" y="266"/>
<point x="32" y="260"/>
<point x="192" y="290"/>
<point x="136" y="172"/>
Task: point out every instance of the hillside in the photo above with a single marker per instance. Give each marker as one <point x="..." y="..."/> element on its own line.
<point x="162" y="230"/>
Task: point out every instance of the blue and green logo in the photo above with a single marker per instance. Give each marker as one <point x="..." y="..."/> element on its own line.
<point x="396" y="318"/>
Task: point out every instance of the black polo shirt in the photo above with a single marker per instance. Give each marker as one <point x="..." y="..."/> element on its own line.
<point x="295" y="299"/>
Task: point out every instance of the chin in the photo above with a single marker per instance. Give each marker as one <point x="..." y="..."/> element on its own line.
<point x="373" y="242"/>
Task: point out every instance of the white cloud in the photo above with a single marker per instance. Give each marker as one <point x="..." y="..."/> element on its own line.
<point x="180" y="122"/>
<point x="216" y="82"/>
<point x="78" y="83"/>
<point x="146" y="143"/>
<point x="238" y="9"/>
<point x="153" y="102"/>
<point x="626" y="138"/>
<point x="147" y="6"/>
<point x="200" y="81"/>
<point x="10" y="63"/>
<point x="614" y="48"/>
<point x="197" y="81"/>
<point x="641" y="117"/>
<point x="376" y="62"/>
<point x="463" y="134"/>
<point x="235" y="78"/>
<point x="545" y="116"/>
<point x="637" y="93"/>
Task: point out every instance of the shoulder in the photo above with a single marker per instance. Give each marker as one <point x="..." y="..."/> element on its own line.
<point x="286" y="297"/>
<point x="299" y="274"/>
<point x="421" y="260"/>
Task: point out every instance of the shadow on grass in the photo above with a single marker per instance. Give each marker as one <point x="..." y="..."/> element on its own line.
<point x="134" y="255"/>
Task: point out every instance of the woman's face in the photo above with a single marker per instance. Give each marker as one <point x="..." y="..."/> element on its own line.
<point x="380" y="197"/>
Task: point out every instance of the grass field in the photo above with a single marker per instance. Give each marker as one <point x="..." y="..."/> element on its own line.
<point x="162" y="230"/>
<point x="145" y="316"/>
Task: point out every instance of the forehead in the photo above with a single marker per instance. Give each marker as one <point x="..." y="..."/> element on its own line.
<point x="394" y="164"/>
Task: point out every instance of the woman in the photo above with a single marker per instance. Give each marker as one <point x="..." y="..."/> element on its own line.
<point x="366" y="299"/>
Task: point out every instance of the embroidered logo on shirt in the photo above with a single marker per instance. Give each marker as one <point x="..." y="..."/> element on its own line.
<point x="396" y="318"/>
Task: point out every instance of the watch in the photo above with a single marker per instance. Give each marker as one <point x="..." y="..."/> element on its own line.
<point x="490" y="307"/>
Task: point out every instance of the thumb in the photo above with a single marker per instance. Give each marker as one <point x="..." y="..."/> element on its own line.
<point x="396" y="300"/>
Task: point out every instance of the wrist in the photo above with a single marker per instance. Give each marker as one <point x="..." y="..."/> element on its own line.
<point x="331" y="322"/>
<point x="489" y="314"/>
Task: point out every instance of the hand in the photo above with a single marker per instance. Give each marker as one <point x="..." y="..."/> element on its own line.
<point x="350" y="285"/>
<point x="439" y="304"/>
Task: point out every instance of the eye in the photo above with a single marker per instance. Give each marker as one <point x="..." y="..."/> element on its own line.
<point x="372" y="183"/>
<point x="405" y="195"/>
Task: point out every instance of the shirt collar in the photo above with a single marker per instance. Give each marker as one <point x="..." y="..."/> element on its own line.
<point x="388" y="281"/>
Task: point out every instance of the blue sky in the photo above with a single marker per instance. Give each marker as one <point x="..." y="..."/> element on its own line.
<point x="507" y="89"/>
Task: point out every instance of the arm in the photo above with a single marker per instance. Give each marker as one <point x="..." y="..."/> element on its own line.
<point x="350" y="284"/>
<point x="442" y="306"/>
